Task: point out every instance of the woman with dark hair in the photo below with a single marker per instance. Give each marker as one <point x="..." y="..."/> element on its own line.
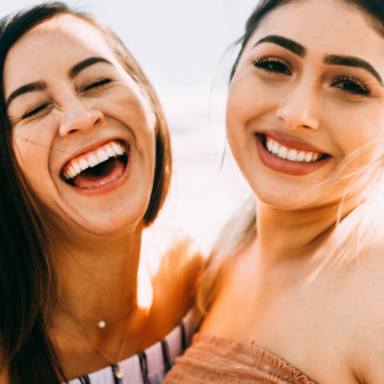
<point x="294" y="293"/>
<point x="85" y="167"/>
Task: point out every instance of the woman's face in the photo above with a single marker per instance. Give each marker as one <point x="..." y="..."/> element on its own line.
<point x="308" y="91"/>
<point x="83" y="131"/>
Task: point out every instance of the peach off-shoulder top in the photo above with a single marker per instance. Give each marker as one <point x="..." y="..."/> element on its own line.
<point x="211" y="359"/>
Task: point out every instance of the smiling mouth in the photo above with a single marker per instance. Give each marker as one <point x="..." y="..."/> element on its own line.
<point x="290" y="154"/>
<point x="97" y="168"/>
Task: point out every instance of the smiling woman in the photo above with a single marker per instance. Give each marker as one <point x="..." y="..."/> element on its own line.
<point x="294" y="293"/>
<point x="63" y="105"/>
<point x="89" y="292"/>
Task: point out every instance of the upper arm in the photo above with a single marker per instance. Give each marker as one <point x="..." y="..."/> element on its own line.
<point x="181" y="263"/>
<point x="175" y="263"/>
<point x="367" y="348"/>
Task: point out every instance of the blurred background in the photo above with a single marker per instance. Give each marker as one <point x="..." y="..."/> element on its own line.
<point x="186" y="50"/>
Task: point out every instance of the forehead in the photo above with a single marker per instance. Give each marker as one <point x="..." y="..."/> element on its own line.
<point x="324" y="25"/>
<point x="52" y="46"/>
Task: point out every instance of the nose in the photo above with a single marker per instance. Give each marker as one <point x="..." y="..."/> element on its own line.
<point x="79" y="116"/>
<point x="302" y="106"/>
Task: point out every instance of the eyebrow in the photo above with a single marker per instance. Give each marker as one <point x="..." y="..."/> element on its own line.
<point x="41" y="85"/>
<point x="291" y="45"/>
<point x="32" y="87"/>
<point x="351" y="61"/>
<point x="85" y="64"/>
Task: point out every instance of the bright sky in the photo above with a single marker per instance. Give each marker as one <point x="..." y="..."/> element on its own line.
<point x="179" y="41"/>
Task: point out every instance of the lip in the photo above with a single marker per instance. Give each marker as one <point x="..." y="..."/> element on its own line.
<point x="92" y="147"/>
<point x="102" y="189"/>
<point x="285" y="166"/>
<point x="292" y="143"/>
<point x="107" y="148"/>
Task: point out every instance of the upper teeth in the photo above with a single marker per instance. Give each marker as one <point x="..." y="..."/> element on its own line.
<point x="83" y="162"/>
<point x="290" y="154"/>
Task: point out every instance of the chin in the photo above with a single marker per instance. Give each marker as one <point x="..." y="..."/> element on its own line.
<point x="125" y="220"/>
<point x="289" y="196"/>
<point x="288" y="202"/>
<point x="122" y="219"/>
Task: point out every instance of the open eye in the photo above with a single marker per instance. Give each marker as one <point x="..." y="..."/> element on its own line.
<point x="351" y="85"/>
<point x="272" y="65"/>
<point x="96" y="84"/>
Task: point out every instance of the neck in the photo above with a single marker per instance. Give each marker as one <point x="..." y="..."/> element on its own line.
<point x="284" y="235"/>
<point x="97" y="276"/>
<point x="99" y="279"/>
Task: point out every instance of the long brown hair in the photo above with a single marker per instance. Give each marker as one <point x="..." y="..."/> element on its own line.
<point x="27" y="281"/>
<point x="369" y="185"/>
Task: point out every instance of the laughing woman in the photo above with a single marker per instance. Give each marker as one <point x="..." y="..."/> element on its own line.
<point x="295" y="294"/>
<point x="85" y="167"/>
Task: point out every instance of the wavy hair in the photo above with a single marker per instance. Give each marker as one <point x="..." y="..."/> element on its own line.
<point x="27" y="280"/>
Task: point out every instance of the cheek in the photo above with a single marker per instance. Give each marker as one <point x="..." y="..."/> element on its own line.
<point x="32" y="140"/>
<point x="359" y="132"/>
<point x="252" y="98"/>
<point x="243" y="101"/>
<point x="32" y="158"/>
<point x="23" y="150"/>
<point x="146" y="135"/>
<point x="245" y="111"/>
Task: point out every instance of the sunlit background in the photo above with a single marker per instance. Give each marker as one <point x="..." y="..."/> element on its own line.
<point x="184" y="49"/>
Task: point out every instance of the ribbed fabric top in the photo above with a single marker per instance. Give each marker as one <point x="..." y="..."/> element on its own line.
<point x="211" y="359"/>
<point x="149" y="366"/>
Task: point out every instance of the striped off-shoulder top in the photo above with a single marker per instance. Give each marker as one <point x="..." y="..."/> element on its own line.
<point x="149" y="366"/>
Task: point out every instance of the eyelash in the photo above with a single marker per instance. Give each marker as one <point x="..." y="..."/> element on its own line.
<point x="97" y="84"/>
<point x="272" y="65"/>
<point x="34" y="111"/>
<point x="359" y="88"/>
<point x="275" y="66"/>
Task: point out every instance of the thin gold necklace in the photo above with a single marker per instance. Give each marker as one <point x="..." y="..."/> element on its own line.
<point x="117" y="371"/>
<point x="103" y="323"/>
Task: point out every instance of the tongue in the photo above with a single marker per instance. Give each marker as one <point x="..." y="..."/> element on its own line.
<point x="88" y="180"/>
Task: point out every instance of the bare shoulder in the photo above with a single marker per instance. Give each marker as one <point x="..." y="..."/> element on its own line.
<point x="171" y="252"/>
<point x="175" y="262"/>
<point x="163" y="244"/>
<point x="367" y="294"/>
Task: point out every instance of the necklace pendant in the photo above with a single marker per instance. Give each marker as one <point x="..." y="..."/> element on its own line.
<point x="101" y="324"/>
<point x="119" y="373"/>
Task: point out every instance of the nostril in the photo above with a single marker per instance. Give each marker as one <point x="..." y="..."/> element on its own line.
<point x="80" y="118"/>
<point x="98" y="120"/>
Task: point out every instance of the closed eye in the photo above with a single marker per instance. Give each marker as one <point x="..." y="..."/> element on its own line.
<point x="35" y="111"/>
<point x="97" y="84"/>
